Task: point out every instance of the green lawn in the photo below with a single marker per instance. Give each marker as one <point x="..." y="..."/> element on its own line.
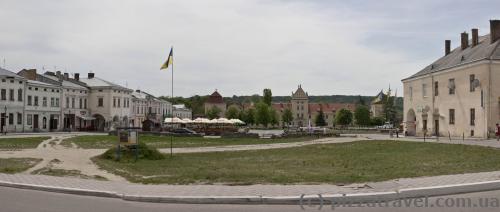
<point x="20" y="143"/>
<point x="107" y="141"/>
<point x="16" y="165"/>
<point x="360" y="161"/>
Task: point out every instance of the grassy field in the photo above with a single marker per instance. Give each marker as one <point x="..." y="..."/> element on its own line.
<point x="107" y="141"/>
<point x="16" y="165"/>
<point x="361" y="161"/>
<point x="20" y="143"/>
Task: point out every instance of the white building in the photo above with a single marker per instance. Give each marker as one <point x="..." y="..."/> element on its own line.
<point x="42" y="110"/>
<point x="181" y="111"/>
<point x="149" y="111"/>
<point x="75" y="111"/>
<point x="12" y="96"/>
<point x="110" y="104"/>
<point x="459" y="93"/>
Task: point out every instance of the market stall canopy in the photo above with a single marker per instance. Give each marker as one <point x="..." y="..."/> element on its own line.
<point x="174" y="120"/>
<point x="224" y="121"/>
<point x="237" y="121"/>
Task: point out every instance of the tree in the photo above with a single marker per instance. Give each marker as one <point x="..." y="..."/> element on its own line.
<point x="232" y="112"/>
<point x="320" y="119"/>
<point x="249" y="116"/>
<point x="343" y="117"/>
<point x="213" y="112"/>
<point x="287" y="116"/>
<point x="262" y="114"/>
<point x="362" y="116"/>
<point x="389" y="109"/>
<point x="268" y="96"/>
<point x="274" y="117"/>
<point x="377" y="121"/>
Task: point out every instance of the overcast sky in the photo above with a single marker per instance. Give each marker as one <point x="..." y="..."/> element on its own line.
<point x="238" y="46"/>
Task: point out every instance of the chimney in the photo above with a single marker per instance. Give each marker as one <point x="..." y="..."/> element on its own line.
<point x="90" y="75"/>
<point x="77" y="76"/>
<point x="494" y="30"/>
<point x="464" y="39"/>
<point x="475" y="37"/>
<point x="447" y="47"/>
<point x="66" y="76"/>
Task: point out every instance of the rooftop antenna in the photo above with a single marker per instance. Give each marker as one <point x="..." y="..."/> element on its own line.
<point x="4" y="63"/>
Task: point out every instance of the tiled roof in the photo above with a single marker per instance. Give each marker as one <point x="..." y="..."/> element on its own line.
<point x="483" y="51"/>
<point x="215" y="98"/>
<point x="5" y="72"/>
<point x="98" y="82"/>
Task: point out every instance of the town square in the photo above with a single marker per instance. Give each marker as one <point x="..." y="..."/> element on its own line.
<point x="249" y="106"/>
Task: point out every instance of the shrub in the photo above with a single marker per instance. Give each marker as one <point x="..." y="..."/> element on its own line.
<point x="128" y="154"/>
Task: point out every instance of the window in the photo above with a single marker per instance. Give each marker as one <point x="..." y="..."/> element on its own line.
<point x="20" y="95"/>
<point x="67" y="102"/>
<point x="19" y="118"/>
<point x="424" y="90"/>
<point x="452" y="116"/>
<point x="114" y="102"/>
<point x="119" y="100"/>
<point x="80" y="103"/>
<point x="29" y="119"/>
<point x="72" y="102"/>
<point x="52" y="104"/>
<point x="436" y="88"/>
<point x="3" y="94"/>
<point x="11" y="95"/>
<point x="472" y="77"/>
<point x="57" y="102"/>
<point x="451" y="86"/>
<point x="36" y="101"/>
<point x="44" y="101"/>
<point x="100" y="102"/>
<point x="472" y="117"/>
<point x="29" y="101"/>
<point x="85" y="103"/>
<point x="11" y="118"/>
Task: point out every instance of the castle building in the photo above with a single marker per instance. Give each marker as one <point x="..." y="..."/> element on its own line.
<point x="216" y="100"/>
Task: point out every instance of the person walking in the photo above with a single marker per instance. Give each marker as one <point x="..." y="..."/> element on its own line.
<point x="497" y="132"/>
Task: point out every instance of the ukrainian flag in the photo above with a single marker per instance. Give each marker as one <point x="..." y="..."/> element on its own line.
<point x="170" y="60"/>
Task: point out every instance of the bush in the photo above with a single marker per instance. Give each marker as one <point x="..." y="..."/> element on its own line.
<point x="128" y="154"/>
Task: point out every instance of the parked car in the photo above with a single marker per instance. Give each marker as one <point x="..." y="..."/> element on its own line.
<point x="387" y="125"/>
<point x="184" y="131"/>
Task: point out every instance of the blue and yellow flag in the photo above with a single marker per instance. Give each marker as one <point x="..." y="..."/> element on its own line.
<point x="170" y="59"/>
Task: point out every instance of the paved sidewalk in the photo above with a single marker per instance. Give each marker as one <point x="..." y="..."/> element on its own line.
<point x="258" y="190"/>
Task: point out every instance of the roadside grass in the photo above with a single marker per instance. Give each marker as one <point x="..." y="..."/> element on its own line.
<point x="360" y="161"/>
<point x="66" y="173"/>
<point x="21" y="143"/>
<point x="16" y="165"/>
<point x="108" y="141"/>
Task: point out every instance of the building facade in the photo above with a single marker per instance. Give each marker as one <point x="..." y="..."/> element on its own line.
<point x="458" y="94"/>
<point x="149" y="111"/>
<point x="216" y="100"/>
<point x="12" y="98"/>
<point x="181" y="111"/>
<point x="305" y="113"/>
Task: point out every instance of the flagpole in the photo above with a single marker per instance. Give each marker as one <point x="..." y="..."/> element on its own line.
<point x="172" y="135"/>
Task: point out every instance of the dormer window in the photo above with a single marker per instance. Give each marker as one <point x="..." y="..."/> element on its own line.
<point x="463" y="58"/>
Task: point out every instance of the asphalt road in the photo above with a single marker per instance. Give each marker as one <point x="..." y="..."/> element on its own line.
<point x="13" y="200"/>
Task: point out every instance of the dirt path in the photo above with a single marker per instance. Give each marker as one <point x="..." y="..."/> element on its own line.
<point x="68" y="158"/>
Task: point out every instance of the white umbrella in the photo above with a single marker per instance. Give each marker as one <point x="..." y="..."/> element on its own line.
<point x="223" y="121"/>
<point x="187" y="121"/>
<point x="198" y="120"/>
<point x="174" y="120"/>
<point x="236" y="121"/>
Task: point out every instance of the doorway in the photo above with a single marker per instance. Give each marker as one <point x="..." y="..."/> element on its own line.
<point x="436" y="127"/>
<point x="35" y="122"/>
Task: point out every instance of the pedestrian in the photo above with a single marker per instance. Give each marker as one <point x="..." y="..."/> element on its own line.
<point x="497" y="132"/>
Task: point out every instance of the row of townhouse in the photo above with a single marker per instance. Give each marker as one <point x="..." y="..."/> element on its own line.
<point x="52" y="101"/>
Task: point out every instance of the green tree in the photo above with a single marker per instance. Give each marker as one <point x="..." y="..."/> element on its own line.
<point x="249" y="116"/>
<point x="320" y="119"/>
<point x="343" y="117"/>
<point x="268" y="96"/>
<point x="262" y="114"/>
<point x="389" y="109"/>
<point x="377" y="121"/>
<point x="362" y="115"/>
<point x="213" y="112"/>
<point x="274" y="117"/>
<point x="232" y="112"/>
<point x="287" y="116"/>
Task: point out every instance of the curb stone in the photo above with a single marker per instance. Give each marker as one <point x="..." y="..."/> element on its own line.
<point x="325" y="199"/>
